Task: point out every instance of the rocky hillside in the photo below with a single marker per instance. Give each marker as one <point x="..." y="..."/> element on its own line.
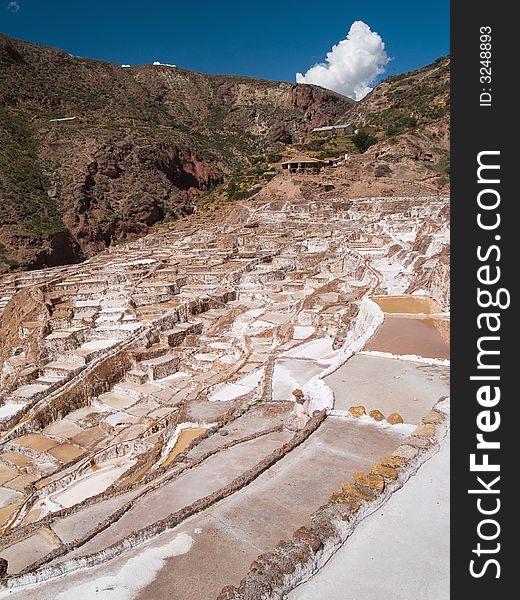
<point x="409" y="115"/>
<point x="404" y="133"/>
<point x="403" y="102"/>
<point x="143" y="143"/>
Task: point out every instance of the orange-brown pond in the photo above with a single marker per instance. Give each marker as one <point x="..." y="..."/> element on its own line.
<point x="400" y="335"/>
<point x="20" y="460"/>
<point x="414" y="305"/>
<point x="35" y="441"/>
<point x="66" y="452"/>
<point x="7" y="511"/>
<point x="186" y="436"/>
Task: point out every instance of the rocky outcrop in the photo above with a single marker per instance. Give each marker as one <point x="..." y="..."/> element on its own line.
<point x="23" y="324"/>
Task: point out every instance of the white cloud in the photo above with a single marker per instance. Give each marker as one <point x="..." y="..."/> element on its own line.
<point x="13" y="6"/>
<point x="352" y="64"/>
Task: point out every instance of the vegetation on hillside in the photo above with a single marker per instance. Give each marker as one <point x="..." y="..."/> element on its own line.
<point x="23" y="183"/>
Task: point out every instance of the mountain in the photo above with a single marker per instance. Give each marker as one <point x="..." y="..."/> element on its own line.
<point x="138" y="146"/>
<point x="93" y="154"/>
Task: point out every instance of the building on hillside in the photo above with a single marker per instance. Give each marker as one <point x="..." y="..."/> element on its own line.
<point x="302" y="164"/>
<point x="334" y="161"/>
<point x="343" y="129"/>
<point x="63" y="120"/>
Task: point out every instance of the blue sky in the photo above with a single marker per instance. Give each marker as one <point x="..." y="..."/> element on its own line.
<point x="271" y="39"/>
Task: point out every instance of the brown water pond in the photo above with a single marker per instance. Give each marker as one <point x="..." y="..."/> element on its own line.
<point x="186" y="436"/>
<point x="66" y="452"/>
<point x="413" y="305"/>
<point x="36" y="441"/>
<point x="400" y="335"/>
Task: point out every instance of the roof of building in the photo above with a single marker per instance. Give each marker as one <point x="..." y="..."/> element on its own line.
<point x="301" y="159"/>
<point x="332" y="127"/>
<point x="62" y="119"/>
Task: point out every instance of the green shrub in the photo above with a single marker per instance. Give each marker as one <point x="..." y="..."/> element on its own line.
<point x="273" y="157"/>
<point x="400" y="124"/>
<point x="363" y="140"/>
<point x="383" y="171"/>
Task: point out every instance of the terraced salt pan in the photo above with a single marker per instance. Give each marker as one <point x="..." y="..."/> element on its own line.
<point x="66" y="452"/>
<point x="120" y="418"/>
<point x="271" y="508"/>
<point x="252" y="379"/>
<point x="239" y="388"/>
<point x="9" y="409"/>
<point x="27" y="391"/>
<point x="15" y="458"/>
<point x="35" y="441"/>
<point x="29" y="550"/>
<point x="186" y="436"/>
<point x="93" y="484"/>
<point x="401" y="386"/>
<point x="220" y="345"/>
<point x="117" y="401"/>
<point x="408" y="304"/>
<point x="99" y="344"/>
<point x="7" y="473"/>
<point x="8" y="496"/>
<point x="320" y="349"/>
<point x="178" y="376"/>
<point x="64" y="428"/>
<point x="291" y="373"/>
<point x="302" y="332"/>
<point x="193" y="484"/>
<point x="409" y="336"/>
<point x="229" y="392"/>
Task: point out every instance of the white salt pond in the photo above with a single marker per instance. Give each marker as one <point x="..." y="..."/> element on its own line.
<point x="320" y="349"/>
<point x="229" y="392"/>
<point x="290" y="373"/>
<point x="91" y="485"/>
<point x="179" y="376"/>
<point x="239" y="388"/>
<point x="302" y="332"/>
<point x="9" y="409"/>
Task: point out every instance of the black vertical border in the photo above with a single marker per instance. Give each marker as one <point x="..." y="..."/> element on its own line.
<point x="475" y="129"/>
